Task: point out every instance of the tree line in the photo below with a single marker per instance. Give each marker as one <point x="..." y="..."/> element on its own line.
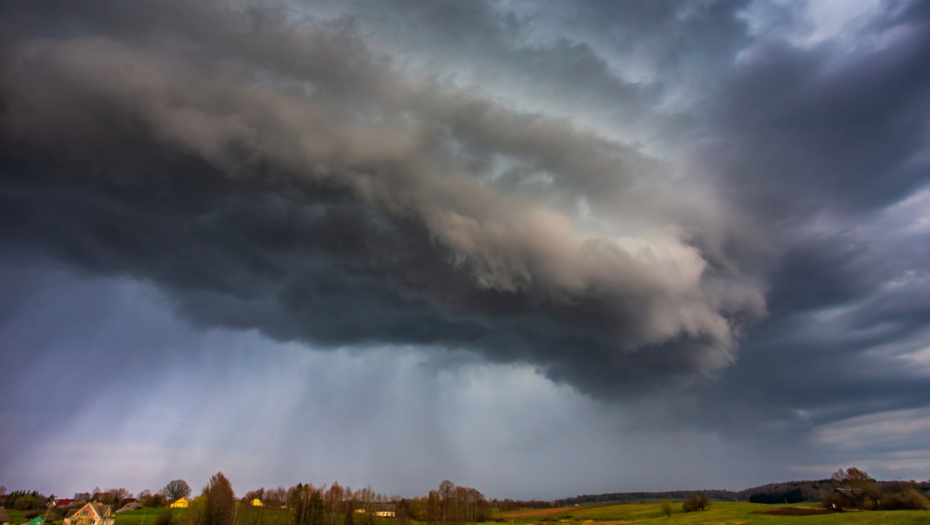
<point x="305" y="504"/>
<point x="719" y="495"/>
<point x="772" y="493"/>
<point x="505" y="505"/>
<point x="23" y="499"/>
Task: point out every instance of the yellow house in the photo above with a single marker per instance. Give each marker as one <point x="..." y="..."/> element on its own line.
<point x="256" y="502"/>
<point x="180" y="504"/>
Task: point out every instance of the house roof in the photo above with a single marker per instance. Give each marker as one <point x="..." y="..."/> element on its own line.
<point x="4" y="515"/>
<point x="852" y="494"/>
<point x="101" y="509"/>
<point x="132" y="505"/>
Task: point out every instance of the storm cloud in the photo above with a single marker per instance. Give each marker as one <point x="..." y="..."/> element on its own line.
<point x="278" y="175"/>
<point x="699" y="216"/>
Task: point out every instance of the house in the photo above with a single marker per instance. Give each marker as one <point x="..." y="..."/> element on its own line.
<point x="132" y="505"/>
<point x="90" y="514"/>
<point x="64" y="502"/>
<point x="181" y="503"/>
<point x="384" y="511"/>
<point x="257" y="502"/>
<point x="4" y="517"/>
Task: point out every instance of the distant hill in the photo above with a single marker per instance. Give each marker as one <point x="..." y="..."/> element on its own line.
<point x="788" y="491"/>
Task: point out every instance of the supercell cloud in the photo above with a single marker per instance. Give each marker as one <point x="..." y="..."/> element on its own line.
<point x="279" y="175"/>
<point x="710" y="217"/>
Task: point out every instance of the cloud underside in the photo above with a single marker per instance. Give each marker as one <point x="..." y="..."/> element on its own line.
<point x="277" y="175"/>
<point x="626" y="212"/>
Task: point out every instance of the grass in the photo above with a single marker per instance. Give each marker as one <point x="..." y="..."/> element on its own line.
<point x="724" y="513"/>
<point x="17" y="516"/>
<point x="135" y="517"/>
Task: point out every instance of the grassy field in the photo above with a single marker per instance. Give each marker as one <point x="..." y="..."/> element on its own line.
<point x="143" y="516"/>
<point x="724" y="513"/>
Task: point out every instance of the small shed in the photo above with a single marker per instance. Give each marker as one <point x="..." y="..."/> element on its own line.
<point x="850" y="496"/>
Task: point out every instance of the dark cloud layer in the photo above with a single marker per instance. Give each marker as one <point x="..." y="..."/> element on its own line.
<point x="693" y="204"/>
<point x="278" y="176"/>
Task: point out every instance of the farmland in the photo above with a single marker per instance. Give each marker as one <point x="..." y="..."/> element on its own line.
<point x="725" y="513"/>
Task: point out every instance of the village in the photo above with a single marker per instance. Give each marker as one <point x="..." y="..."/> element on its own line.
<point x="303" y="504"/>
<point x="851" y="492"/>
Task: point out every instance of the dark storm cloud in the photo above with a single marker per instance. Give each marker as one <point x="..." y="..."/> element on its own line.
<point x="807" y="130"/>
<point x="278" y="176"/>
<point x="708" y="209"/>
<point x="277" y="173"/>
<point x="825" y="146"/>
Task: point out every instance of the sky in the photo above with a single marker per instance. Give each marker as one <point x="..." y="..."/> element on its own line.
<point x="539" y="248"/>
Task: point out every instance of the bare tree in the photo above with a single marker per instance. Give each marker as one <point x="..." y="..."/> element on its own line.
<point x="447" y="493"/>
<point x="177" y="489"/>
<point x="119" y="495"/>
<point x="221" y="501"/>
<point x="335" y="501"/>
<point x="433" y="504"/>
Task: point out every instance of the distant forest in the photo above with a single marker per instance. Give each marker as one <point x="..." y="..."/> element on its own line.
<point x="789" y="491"/>
<point x="632" y="497"/>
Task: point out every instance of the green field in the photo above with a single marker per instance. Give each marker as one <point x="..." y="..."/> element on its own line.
<point x="726" y="513"/>
<point x="144" y="516"/>
<point x="17" y="516"/>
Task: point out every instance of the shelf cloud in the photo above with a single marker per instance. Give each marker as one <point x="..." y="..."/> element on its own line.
<point x="705" y="217"/>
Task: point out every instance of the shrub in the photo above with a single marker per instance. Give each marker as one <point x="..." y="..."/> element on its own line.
<point x="667" y="507"/>
<point x="695" y="502"/>
<point x="907" y="499"/>
<point x="28" y="502"/>
<point x="164" y="517"/>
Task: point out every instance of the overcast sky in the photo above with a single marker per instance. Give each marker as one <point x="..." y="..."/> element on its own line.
<point x="536" y="248"/>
